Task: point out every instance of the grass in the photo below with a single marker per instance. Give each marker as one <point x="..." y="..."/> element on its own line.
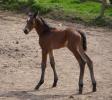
<point x="63" y="9"/>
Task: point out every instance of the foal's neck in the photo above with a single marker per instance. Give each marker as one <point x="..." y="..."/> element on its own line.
<point x="42" y="29"/>
<point x="39" y="30"/>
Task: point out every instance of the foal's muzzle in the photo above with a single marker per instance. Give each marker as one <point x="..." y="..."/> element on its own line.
<point x="25" y="31"/>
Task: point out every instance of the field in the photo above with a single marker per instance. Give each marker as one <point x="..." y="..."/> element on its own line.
<point x="20" y="57"/>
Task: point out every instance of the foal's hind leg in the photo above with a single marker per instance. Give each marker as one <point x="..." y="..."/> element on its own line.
<point x="90" y="65"/>
<point x="52" y="62"/>
<point x="43" y="67"/>
<point x="82" y="63"/>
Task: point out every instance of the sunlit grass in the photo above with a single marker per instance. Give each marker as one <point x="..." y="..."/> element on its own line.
<point x="86" y="11"/>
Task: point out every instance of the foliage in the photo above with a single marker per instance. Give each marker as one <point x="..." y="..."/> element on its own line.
<point x="64" y="9"/>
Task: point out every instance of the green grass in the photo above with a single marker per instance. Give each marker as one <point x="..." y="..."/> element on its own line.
<point x="63" y="9"/>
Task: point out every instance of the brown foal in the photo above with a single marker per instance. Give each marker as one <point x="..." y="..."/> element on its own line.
<point x="52" y="38"/>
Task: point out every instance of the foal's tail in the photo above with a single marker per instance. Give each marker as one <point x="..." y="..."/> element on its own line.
<point x="84" y="40"/>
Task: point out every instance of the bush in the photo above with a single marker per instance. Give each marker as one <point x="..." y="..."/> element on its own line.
<point x="22" y="5"/>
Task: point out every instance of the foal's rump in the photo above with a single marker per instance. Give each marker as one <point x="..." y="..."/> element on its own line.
<point x="75" y="37"/>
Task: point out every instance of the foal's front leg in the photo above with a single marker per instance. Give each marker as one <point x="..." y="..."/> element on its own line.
<point x="43" y="67"/>
<point x="52" y="62"/>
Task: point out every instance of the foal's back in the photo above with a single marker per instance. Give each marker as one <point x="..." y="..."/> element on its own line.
<point x="56" y="39"/>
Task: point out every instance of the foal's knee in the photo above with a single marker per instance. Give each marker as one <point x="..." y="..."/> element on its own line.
<point x="82" y="62"/>
<point x="89" y="61"/>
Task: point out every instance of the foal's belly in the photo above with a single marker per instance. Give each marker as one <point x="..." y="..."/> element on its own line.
<point x="58" y="45"/>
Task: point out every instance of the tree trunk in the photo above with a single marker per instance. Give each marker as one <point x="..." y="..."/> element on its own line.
<point x="103" y="6"/>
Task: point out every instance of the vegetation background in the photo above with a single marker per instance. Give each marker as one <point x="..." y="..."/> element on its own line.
<point x="70" y="10"/>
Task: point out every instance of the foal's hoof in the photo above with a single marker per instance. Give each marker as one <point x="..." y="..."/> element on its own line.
<point x="54" y="85"/>
<point x="94" y="89"/>
<point x="38" y="85"/>
<point x="37" y="88"/>
<point x="80" y="88"/>
<point x="80" y="92"/>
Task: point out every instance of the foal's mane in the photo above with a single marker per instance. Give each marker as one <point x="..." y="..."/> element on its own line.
<point x="47" y="27"/>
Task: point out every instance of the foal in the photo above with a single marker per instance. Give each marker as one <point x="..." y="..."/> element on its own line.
<point x="52" y="38"/>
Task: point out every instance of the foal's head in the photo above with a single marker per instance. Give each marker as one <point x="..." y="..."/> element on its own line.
<point x="32" y="21"/>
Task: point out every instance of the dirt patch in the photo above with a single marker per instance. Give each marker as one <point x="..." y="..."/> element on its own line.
<point x="20" y="57"/>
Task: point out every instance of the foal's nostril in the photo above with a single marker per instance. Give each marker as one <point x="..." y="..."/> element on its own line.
<point x="25" y="31"/>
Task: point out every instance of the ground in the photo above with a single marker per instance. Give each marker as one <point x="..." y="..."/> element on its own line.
<point x="20" y="58"/>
